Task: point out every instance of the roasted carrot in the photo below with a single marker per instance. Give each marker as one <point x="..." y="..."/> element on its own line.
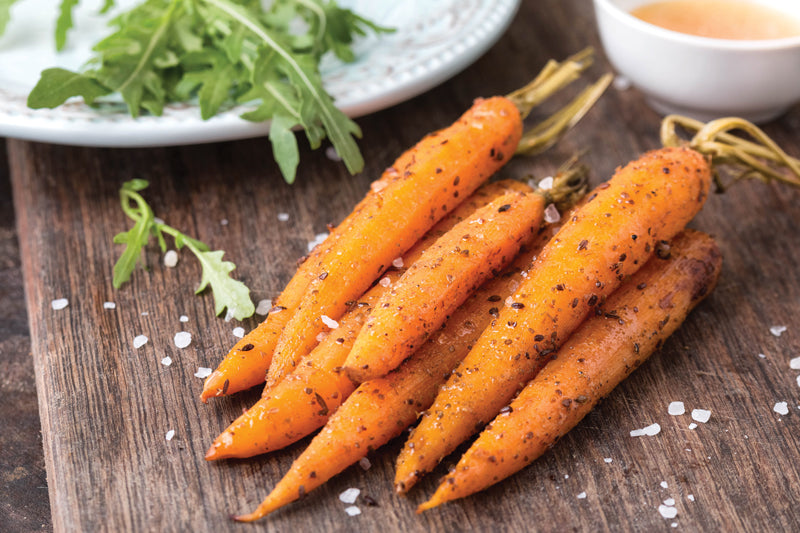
<point x="447" y="167"/>
<point x="301" y="403"/>
<point x="382" y="408"/>
<point x="608" y="239"/>
<point x="607" y="347"/>
<point x="433" y="287"/>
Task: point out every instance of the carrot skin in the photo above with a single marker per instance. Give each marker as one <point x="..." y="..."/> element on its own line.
<point x="638" y="317"/>
<point x="382" y="408"/>
<point x="607" y="240"/>
<point x="433" y="287"/>
<point x="445" y="167"/>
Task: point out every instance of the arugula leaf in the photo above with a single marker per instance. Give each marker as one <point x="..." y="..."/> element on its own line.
<point x="136" y="238"/>
<point x="64" y="22"/>
<point x="228" y="292"/>
<point x="56" y="85"/>
<point x="5" y="13"/>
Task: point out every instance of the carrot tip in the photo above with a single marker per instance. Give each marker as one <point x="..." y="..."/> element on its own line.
<point x="430" y="504"/>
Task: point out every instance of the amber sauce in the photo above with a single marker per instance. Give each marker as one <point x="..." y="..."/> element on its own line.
<point x="720" y="19"/>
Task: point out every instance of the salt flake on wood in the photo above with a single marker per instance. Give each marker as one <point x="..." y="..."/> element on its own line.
<point x="109" y="305"/>
<point x="782" y="408"/>
<point x="202" y="372"/>
<point x="652" y="429"/>
<point x="263" y="307"/>
<point x="350" y="495"/>
<point x="59" y="304"/>
<point x="794" y="364"/>
<point x="352" y="510"/>
<point x="139" y="341"/>
<point x="170" y="258"/>
<point x="777" y="330"/>
<point x="238" y="332"/>
<point x="170" y="434"/>
<point x="166" y="361"/>
<point x="667" y="511"/>
<point x="701" y="415"/>
<point x="283" y="217"/>
<point x="676" y="408"/>
<point x="182" y="339"/>
<point x="581" y="496"/>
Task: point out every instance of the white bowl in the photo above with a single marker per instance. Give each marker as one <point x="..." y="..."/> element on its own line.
<point x="698" y="76"/>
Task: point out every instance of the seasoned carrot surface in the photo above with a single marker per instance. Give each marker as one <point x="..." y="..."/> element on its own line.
<point x="382" y="408"/>
<point x="302" y="402"/>
<point x="607" y="240"/>
<point x="445" y="167"/>
<point x="458" y="263"/>
<point x="633" y="323"/>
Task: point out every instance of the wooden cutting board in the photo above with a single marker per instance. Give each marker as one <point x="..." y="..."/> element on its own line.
<point x="106" y="406"/>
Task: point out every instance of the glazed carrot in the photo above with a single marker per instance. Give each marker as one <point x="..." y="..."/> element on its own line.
<point x="636" y="319"/>
<point x="608" y="239"/>
<point x="247" y="362"/>
<point x="445" y="168"/>
<point x="433" y="287"/>
<point x="301" y="402"/>
<point x="381" y="409"/>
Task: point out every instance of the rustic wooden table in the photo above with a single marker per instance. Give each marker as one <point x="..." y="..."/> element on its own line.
<point x="104" y="406"/>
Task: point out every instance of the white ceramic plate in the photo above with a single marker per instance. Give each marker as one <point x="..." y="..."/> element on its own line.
<point x="433" y="41"/>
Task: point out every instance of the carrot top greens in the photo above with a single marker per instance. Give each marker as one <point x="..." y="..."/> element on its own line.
<point x="223" y="52"/>
<point x="228" y="292"/>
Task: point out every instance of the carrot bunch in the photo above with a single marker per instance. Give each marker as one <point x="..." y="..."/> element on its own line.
<point x="445" y="296"/>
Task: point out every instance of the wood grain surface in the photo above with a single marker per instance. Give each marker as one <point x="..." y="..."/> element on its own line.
<point x="106" y="406"/>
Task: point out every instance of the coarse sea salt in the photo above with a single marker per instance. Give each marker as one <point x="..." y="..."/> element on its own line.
<point x="364" y="463"/>
<point x="621" y="83"/>
<point x="676" y="408"/>
<point x="652" y="429"/>
<point x="59" y="303"/>
<point x="551" y="214"/>
<point x="385" y="282"/>
<point x="608" y="460"/>
<point x="263" y="307"/>
<point x="782" y="408"/>
<point x="283" y="217"/>
<point x="238" y="332"/>
<point x="667" y="511"/>
<point x="798" y="381"/>
<point x="692" y="425"/>
<point x="139" y="341"/>
<point x="166" y="361"/>
<point x="777" y="330"/>
<point x="350" y="495"/>
<point x="352" y="510"/>
<point x="109" y="305"/>
<point x="183" y="318"/>
<point x="690" y="497"/>
<point x="332" y="154"/>
<point x="318" y="239"/>
<point x="546" y="183"/>
<point x="794" y="363"/>
<point x="170" y="434"/>
<point x="202" y="372"/>
<point x="182" y="339"/>
<point x="669" y="501"/>
<point x="397" y="262"/>
<point x="664" y="485"/>
<point x="581" y="496"/>
<point x="328" y="321"/>
<point x="170" y="258"/>
<point x="701" y="415"/>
